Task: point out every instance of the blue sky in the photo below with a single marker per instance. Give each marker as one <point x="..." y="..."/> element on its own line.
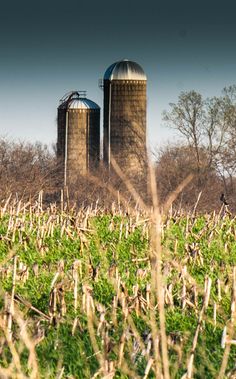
<point x="50" y="48"/>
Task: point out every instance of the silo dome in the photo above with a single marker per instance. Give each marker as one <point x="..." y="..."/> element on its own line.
<point x="75" y="101"/>
<point x="125" y="70"/>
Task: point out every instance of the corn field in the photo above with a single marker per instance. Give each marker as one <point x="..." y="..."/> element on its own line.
<point x="125" y="293"/>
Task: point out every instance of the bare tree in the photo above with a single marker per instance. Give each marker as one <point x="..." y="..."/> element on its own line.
<point x="187" y="117"/>
<point x="208" y="124"/>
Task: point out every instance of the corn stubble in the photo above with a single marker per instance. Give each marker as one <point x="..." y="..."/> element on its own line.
<point x="136" y="292"/>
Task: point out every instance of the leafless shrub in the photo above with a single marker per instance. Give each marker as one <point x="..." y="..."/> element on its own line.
<point x="25" y="169"/>
<point x="174" y="163"/>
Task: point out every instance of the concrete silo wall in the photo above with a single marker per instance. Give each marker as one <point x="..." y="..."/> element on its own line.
<point x="77" y="156"/>
<point x="93" y="139"/>
<point x="83" y="141"/>
<point x="106" y="121"/>
<point x="125" y="124"/>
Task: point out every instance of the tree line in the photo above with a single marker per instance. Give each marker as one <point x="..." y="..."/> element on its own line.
<point x="206" y="149"/>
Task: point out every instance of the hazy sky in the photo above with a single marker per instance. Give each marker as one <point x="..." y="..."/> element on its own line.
<point x="48" y="48"/>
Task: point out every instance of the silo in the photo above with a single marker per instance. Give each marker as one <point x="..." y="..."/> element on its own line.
<point x="78" y="139"/>
<point x="124" y="86"/>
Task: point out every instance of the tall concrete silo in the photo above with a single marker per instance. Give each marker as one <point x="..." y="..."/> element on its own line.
<point x="124" y="86"/>
<point x="78" y="139"/>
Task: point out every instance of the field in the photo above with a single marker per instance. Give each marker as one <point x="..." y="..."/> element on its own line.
<point x="95" y="294"/>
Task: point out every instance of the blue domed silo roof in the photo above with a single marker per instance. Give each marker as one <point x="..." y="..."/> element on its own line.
<point x="82" y="103"/>
<point x="75" y="101"/>
<point x="125" y="70"/>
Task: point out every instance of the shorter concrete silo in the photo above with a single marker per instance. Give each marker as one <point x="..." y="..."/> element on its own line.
<point x="78" y="138"/>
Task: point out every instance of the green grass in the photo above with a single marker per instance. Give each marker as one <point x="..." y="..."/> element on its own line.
<point x="112" y="250"/>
